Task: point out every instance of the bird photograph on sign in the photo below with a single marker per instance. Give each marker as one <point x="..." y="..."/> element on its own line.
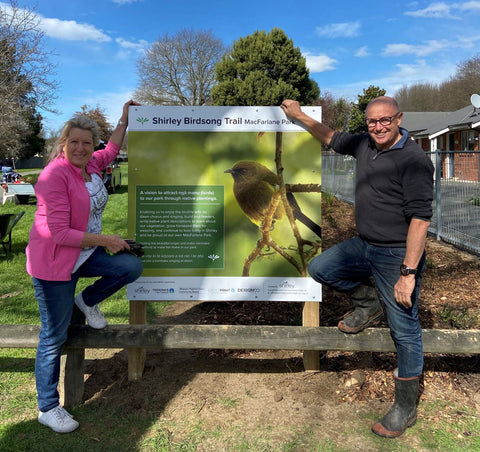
<point x="254" y="187"/>
<point x="266" y="200"/>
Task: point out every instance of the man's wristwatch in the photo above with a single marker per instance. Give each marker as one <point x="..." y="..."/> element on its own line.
<point x="405" y="271"/>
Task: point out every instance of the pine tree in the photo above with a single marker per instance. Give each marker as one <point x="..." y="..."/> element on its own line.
<point x="263" y="69"/>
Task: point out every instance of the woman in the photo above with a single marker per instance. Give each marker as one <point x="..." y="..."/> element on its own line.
<point x="66" y="243"/>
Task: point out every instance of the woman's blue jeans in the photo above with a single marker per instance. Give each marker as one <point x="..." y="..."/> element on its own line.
<point x="55" y="302"/>
<point x="347" y="265"/>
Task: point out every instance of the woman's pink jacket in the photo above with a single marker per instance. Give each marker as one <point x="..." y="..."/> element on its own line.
<point x="63" y="209"/>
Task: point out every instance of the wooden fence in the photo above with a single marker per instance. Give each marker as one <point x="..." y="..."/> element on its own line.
<point x="139" y="337"/>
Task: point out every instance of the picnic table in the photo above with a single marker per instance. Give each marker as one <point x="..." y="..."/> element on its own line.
<point x="20" y="191"/>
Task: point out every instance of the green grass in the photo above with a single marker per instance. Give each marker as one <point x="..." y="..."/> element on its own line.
<point x="112" y="426"/>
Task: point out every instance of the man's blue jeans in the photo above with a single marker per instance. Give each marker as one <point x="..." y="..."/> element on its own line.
<point x="55" y="302"/>
<point x="347" y="265"/>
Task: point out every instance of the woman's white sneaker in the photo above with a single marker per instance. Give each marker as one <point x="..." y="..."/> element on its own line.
<point x="93" y="314"/>
<point x="58" y="419"/>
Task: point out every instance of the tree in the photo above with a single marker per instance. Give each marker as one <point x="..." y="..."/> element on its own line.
<point x="179" y="69"/>
<point x="449" y="95"/>
<point x="98" y="115"/>
<point x="263" y="69"/>
<point x="335" y="112"/>
<point x="357" y="120"/>
<point x="25" y="77"/>
<point x="33" y="142"/>
<point x="465" y="82"/>
<point x="419" y="97"/>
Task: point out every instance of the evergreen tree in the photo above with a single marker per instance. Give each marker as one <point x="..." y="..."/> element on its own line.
<point x="263" y="69"/>
<point x="33" y="142"/>
<point x="357" y="120"/>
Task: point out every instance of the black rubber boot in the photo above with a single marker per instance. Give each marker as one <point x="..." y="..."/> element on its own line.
<point x="367" y="309"/>
<point x="403" y="413"/>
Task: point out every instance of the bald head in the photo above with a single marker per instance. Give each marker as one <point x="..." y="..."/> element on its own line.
<point x="384" y="100"/>
<point x="383" y="120"/>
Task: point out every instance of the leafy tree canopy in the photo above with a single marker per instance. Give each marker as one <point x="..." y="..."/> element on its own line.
<point x="98" y="115"/>
<point x="263" y="69"/>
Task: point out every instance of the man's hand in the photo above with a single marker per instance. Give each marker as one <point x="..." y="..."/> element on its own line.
<point x="291" y="108"/>
<point x="320" y="131"/>
<point x="403" y="290"/>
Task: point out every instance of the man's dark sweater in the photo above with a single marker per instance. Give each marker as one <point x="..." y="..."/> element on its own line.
<point x="392" y="187"/>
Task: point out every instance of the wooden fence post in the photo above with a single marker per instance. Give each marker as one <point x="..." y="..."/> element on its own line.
<point x="72" y="369"/>
<point x="136" y="356"/>
<point x="311" y="317"/>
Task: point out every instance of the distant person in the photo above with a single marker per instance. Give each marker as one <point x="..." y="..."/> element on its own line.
<point x="383" y="265"/>
<point x="7" y="169"/>
<point x="66" y="243"/>
<point x="6" y="164"/>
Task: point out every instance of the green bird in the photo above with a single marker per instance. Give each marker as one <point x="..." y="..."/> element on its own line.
<point x="254" y="186"/>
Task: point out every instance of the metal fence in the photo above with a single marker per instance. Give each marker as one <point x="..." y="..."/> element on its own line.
<point x="456" y="204"/>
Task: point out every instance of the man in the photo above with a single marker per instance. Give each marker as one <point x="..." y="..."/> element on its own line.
<point x="393" y="207"/>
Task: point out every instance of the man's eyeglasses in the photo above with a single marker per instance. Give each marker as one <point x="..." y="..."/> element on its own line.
<point x="386" y="121"/>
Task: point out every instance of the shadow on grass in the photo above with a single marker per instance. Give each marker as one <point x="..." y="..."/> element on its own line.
<point x="117" y="414"/>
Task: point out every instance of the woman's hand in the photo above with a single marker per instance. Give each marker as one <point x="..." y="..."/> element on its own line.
<point x="124" y="118"/>
<point x="114" y="243"/>
<point x="119" y="132"/>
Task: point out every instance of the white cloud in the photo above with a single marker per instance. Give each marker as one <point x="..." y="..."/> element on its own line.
<point x="442" y="10"/>
<point x="435" y="11"/>
<point x="70" y="30"/>
<point x="67" y="30"/>
<point x="339" y="30"/>
<point x="470" y="6"/>
<point x="420" y="50"/>
<point x="129" y="45"/>
<point x="467" y="42"/>
<point x="400" y="75"/>
<point x="431" y="47"/>
<point x="319" y="63"/>
<point x="418" y="72"/>
<point x="362" y="52"/>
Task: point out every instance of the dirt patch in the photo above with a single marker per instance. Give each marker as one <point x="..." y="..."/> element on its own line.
<point x="249" y="390"/>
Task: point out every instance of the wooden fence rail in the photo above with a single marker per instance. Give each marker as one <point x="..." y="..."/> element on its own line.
<point x="222" y="337"/>
<point x="241" y="337"/>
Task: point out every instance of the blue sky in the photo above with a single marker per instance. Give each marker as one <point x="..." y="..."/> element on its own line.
<point x="348" y="44"/>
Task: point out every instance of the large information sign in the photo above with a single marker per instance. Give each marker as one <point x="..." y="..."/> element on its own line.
<point x="226" y="201"/>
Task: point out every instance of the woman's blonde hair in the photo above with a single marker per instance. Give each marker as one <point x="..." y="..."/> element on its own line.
<point x="77" y="122"/>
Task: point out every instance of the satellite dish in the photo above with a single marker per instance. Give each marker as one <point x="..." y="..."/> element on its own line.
<point x="475" y="100"/>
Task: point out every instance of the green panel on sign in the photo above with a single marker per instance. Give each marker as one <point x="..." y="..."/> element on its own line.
<point x="181" y="226"/>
